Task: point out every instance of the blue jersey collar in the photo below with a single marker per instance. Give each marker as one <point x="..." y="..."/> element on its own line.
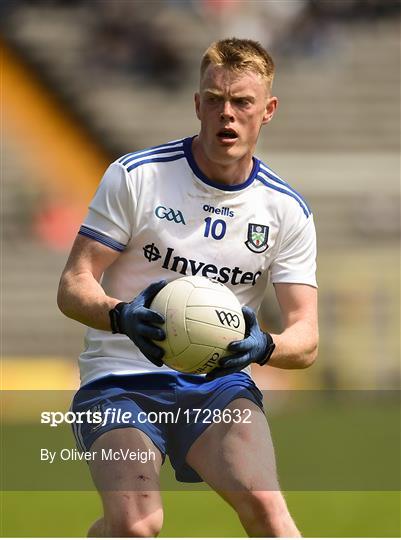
<point x="196" y="170"/>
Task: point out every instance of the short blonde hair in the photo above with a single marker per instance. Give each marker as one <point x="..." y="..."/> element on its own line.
<point x="239" y="55"/>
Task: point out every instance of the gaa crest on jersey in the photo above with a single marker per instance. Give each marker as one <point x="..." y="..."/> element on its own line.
<point x="257" y="237"/>
<point x="170" y="214"/>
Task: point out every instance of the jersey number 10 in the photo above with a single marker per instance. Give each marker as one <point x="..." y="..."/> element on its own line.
<point x="216" y="228"/>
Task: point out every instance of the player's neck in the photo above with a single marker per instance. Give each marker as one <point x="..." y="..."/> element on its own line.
<point x="230" y="174"/>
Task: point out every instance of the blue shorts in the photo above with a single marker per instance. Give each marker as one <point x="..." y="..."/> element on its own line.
<point x="180" y="395"/>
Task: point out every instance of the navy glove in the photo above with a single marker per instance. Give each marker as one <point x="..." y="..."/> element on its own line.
<point x="257" y="346"/>
<point x="137" y="321"/>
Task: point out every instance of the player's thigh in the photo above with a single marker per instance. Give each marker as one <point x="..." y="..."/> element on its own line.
<point x="128" y="483"/>
<point x="236" y="456"/>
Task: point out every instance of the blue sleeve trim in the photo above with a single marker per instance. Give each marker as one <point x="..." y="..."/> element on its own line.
<point x="154" y="160"/>
<point x="273" y="176"/>
<point x="102" y="238"/>
<point x="151" y="153"/>
<point x="161" y="149"/>
<point x="300" y="201"/>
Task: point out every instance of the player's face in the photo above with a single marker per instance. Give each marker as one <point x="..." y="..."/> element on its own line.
<point x="232" y="107"/>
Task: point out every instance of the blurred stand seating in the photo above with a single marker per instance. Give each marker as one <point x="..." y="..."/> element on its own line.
<point x="127" y="71"/>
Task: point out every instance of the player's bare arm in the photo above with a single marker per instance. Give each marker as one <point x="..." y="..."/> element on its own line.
<point x="80" y="294"/>
<point x="81" y="297"/>
<point x="296" y="347"/>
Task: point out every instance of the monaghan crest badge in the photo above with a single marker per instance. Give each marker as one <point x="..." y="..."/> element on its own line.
<point x="257" y="237"/>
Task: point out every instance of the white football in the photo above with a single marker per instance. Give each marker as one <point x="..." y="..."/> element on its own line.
<point x="202" y="318"/>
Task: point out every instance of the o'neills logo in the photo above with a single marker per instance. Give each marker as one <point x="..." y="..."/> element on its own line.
<point x="225" y="211"/>
<point x="184" y="266"/>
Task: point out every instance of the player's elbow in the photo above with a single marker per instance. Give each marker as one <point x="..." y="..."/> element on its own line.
<point x="310" y="355"/>
<point x="62" y="296"/>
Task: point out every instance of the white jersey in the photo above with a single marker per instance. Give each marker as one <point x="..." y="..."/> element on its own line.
<point x="168" y="219"/>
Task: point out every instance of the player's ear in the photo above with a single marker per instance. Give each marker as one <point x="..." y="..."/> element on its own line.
<point x="270" y="109"/>
<point x="197" y="104"/>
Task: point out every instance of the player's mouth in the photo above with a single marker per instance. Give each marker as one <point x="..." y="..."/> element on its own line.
<point x="227" y="136"/>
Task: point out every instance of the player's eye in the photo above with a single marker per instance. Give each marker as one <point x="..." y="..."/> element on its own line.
<point x="242" y="102"/>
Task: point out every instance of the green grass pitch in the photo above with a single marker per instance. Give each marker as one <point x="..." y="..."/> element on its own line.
<point x="197" y="514"/>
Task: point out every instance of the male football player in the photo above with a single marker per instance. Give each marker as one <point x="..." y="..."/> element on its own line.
<point x="203" y="205"/>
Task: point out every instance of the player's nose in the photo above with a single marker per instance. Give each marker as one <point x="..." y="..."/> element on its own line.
<point x="227" y="113"/>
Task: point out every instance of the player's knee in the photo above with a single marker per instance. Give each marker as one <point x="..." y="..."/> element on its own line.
<point x="147" y="527"/>
<point x="265" y="511"/>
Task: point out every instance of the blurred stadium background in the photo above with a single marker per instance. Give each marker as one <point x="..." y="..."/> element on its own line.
<point x="86" y="81"/>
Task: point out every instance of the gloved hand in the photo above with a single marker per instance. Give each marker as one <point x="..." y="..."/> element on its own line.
<point x="137" y="321"/>
<point x="257" y="346"/>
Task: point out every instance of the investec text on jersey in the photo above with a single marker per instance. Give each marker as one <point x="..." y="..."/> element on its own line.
<point x="181" y="264"/>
